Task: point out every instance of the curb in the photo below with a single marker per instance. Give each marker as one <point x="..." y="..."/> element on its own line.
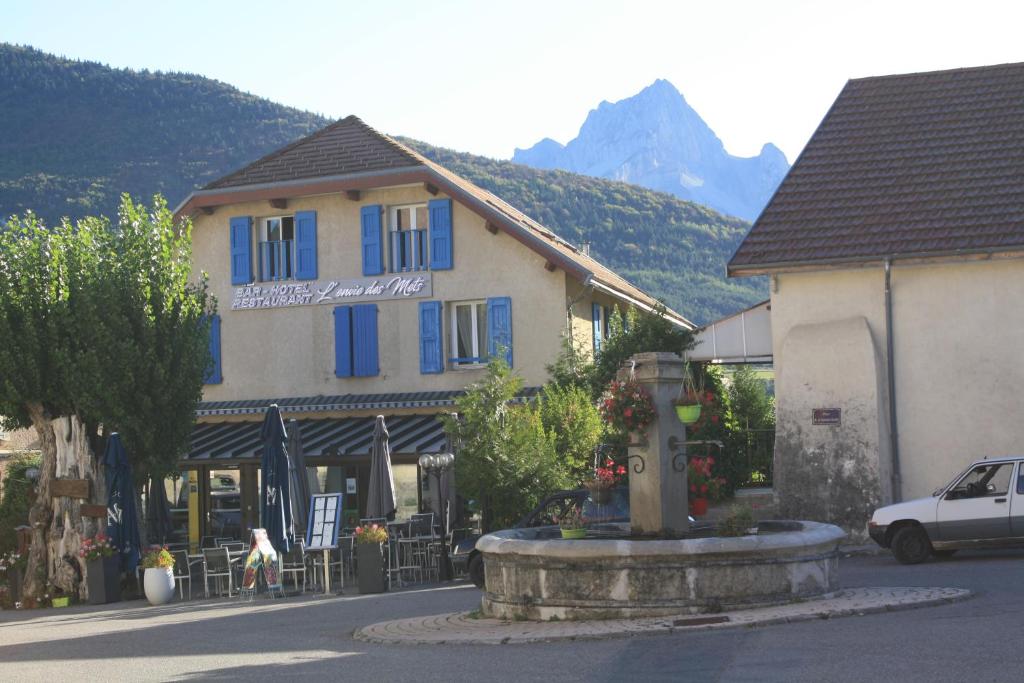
<point x="458" y="629"/>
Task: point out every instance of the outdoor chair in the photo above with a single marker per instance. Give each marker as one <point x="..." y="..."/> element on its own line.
<point x="219" y="541"/>
<point x="294" y="563"/>
<point x="217" y="564"/>
<point x="208" y="542"/>
<point x="233" y="546"/>
<point x="182" y="573"/>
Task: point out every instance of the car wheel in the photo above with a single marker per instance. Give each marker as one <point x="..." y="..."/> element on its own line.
<point x="943" y="553"/>
<point x="476" y="570"/>
<point x="910" y="545"/>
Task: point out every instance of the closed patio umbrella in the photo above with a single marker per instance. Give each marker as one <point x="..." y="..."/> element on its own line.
<point x="158" y="512"/>
<point x="301" y="490"/>
<point x="380" y="500"/>
<point x="275" y="506"/>
<point x="122" y="516"/>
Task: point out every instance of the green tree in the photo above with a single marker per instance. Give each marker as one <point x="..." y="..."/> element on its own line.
<point x="574" y="424"/>
<point x="636" y="332"/>
<point x="506" y="460"/>
<point x="751" y="404"/>
<point x="104" y="326"/>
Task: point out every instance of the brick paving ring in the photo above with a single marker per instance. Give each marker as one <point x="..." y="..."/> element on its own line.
<point x="466" y="628"/>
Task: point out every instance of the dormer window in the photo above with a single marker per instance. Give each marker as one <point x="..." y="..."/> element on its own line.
<point x="277" y="252"/>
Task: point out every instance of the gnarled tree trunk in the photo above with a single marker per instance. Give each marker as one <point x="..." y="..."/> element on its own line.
<point x="57" y="523"/>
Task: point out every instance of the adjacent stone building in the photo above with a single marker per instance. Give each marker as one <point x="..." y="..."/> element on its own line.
<point x="895" y="250"/>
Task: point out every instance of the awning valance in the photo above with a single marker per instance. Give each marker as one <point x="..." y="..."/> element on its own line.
<point x="237" y="441"/>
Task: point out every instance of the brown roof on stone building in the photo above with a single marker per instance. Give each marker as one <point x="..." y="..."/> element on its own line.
<point x="350" y="155"/>
<point x="914" y="165"/>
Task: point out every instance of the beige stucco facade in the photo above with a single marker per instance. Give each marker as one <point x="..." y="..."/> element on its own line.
<point x="958" y="331"/>
<point x="289" y="352"/>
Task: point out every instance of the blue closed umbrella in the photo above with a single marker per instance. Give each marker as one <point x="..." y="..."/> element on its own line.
<point x="275" y="503"/>
<point x="122" y="516"/>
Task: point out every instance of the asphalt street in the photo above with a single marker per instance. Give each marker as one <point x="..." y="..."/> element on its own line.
<point x="975" y="640"/>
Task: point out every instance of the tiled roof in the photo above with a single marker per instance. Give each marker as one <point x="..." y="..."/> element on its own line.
<point x="913" y="165"/>
<point x="344" y="147"/>
<point x="323" y="404"/>
<point x="408" y="434"/>
<point x="350" y="148"/>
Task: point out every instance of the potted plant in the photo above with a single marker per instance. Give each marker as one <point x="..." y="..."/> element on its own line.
<point x="158" y="580"/>
<point x="626" y="406"/>
<point x="102" y="569"/>
<point x="573" y="524"/>
<point x="691" y="396"/>
<point x="603" y="481"/>
<point x="371" y="569"/>
<point x="703" y="485"/>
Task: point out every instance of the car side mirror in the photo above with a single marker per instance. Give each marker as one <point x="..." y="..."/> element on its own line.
<point x="990" y="488"/>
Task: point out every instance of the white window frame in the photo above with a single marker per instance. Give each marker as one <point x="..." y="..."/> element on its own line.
<point x="393" y="216"/>
<point x="264" y="233"/>
<point x="453" y="345"/>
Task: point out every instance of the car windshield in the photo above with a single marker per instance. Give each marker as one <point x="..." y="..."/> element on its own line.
<point x="949" y="483"/>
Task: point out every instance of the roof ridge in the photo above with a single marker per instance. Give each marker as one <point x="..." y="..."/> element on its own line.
<point x="351" y="119"/>
<point x="936" y="72"/>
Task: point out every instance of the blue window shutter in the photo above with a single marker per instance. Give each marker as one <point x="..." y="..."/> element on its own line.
<point x="431" y="356"/>
<point x="364" y="340"/>
<point x="241" y="250"/>
<point x="343" y="341"/>
<point x="596" y="308"/>
<point x="213" y="372"/>
<point x="373" y="252"/>
<point x="440" y="234"/>
<point x="499" y="327"/>
<point x="305" y="245"/>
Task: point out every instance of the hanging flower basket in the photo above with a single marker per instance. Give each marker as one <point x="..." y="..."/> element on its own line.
<point x="688" y="404"/>
<point x="626" y="406"/>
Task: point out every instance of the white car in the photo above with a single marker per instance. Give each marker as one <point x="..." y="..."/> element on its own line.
<point x="983" y="507"/>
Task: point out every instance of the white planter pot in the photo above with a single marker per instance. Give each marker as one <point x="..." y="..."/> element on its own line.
<point x="159" y="585"/>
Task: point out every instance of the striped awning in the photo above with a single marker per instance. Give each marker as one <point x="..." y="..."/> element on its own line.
<point x="232" y="441"/>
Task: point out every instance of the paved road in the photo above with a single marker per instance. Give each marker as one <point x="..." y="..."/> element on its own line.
<point x="976" y="640"/>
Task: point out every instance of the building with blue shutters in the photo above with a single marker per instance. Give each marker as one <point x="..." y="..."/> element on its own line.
<point x="355" y="277"/>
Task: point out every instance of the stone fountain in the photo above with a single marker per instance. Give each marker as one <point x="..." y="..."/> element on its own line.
<point x="657" y="565"/>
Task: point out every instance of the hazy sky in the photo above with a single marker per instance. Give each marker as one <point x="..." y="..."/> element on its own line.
<point x="487" y="77"/>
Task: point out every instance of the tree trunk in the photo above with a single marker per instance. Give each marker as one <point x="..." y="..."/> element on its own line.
<point x="57" y="523"/>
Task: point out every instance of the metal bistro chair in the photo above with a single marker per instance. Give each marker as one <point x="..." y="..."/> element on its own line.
<point x="294" y="563"/>
<point x="217" y="564"/>
<point x="182" y="572"/>
<point x="422" y="531"/>
<point x="234" y="546"/>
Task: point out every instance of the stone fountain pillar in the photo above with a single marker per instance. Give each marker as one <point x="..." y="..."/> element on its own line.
<point x="657" y="477"/>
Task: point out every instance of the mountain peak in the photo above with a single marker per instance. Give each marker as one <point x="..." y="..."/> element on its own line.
<point x="656" y="139"/>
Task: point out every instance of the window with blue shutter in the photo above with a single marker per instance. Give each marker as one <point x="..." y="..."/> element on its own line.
<point x="355" y="341"/>
<point x="373" y="252"/>
<point x="213" y="371"/>
<point x="241" y="250"/>
<point x="431" y="352"/>
<point x="499" y="327"/>
<point x="343" y="341"/>
<point x="364" y="340"/>
<point x="440" y="234"/>
<point x="305" y="245"/>
<point x="596" y="308"/>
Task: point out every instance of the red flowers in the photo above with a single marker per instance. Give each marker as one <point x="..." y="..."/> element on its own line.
<point x="605" y="477"/>
<point x="627" y="406"/>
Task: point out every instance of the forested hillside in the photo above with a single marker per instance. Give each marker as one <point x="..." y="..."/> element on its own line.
<point x="77" y="134"/>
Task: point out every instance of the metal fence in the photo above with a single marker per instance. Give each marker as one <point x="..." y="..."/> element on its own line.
<point x="756" y="447"/>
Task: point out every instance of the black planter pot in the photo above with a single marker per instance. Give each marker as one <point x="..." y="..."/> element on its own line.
<point x="370" y="571"/>
<point x="104" y="580"/>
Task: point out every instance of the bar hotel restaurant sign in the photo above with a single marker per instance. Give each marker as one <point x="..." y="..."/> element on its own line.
<point x="288" y="295"/>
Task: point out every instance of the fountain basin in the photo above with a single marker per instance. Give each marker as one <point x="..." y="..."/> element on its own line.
<point x="532" y="576"/>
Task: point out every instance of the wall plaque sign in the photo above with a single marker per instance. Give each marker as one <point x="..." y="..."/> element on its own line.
<point x="310" y="293"/>
<point x="827" y="416"/>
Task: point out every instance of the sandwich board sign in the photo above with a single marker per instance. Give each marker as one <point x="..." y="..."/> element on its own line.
<point x="261" y="554"/>
<point x="322" y="532"/>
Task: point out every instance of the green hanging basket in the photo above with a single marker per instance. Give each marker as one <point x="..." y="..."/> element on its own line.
<point x="688" y="414"/>
<point x="574" y="533"/>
